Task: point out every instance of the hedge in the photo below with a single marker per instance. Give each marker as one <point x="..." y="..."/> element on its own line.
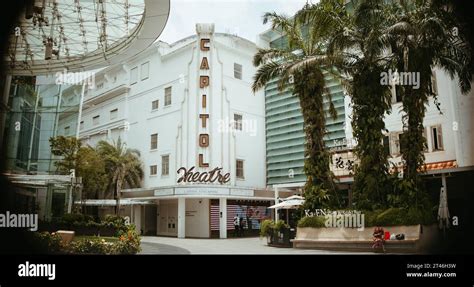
<point x="312" y="221"/>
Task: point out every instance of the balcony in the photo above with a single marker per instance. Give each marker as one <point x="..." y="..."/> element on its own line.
<point x="97" y="96"/>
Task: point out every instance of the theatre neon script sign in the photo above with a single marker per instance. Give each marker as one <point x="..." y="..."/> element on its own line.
<point x="190" y="175"/>
<point x="194" y="176"/>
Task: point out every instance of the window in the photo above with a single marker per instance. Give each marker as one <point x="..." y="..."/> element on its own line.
<point x="153" y="169"/>
<point x="81" y="125"/>
<point x="154" y="142"/>
<point x="239" y="168"/>
<point x="238" y="71"/>
<point x="238" y="122"/>
<point x="155" y="104"/>
<point x="165" y="165"/>
<point x="436" y="138"/>
<point x="96" y="120"/>
<point x="66" y="130"/>
<point x="145" y="71"/>
<point x="113" y="114"/>
<point x="133" y="76"/>
<point x="434" y="84"/>
<point x="425" y="148"/>
<point x="168" y="96"/>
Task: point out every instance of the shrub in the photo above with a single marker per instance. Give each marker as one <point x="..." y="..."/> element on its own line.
<point x="371" y="217"/>
<point x="74" y="218"/>
<point x="280" y="225"/>
<point x="91" y="246"/>
<point x="129" y="242"/>
<point x="85" y="225"/>
<point x="400" y="216"/>
<point x="116" y="222"/>
<point x="418" y="216"/>
<point x="390" y="217"/>
<point x="266" y="228"/>
<point x="312" y="221"/>
<point x="48" y="242"/>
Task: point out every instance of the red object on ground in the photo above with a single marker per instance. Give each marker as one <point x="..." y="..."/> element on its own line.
<point x="387" y="235"/>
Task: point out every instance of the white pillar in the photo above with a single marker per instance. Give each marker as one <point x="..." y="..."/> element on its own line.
<point x="222" y="218"/>
<point x="276" y="202"/>
<point x="445" y="185"/>
<point x="181" y="217"/>
<point x="137" y="217"/>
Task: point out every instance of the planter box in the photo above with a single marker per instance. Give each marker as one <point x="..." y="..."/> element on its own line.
<point x="66" y="236"/>
<point x="279" y="238"/>
<point x="418" y="239"/>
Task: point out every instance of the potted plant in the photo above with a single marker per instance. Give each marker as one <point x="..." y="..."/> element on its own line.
<point x="266" y="229"/>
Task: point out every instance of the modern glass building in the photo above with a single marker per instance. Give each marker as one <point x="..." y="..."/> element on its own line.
<point x="284" y="125"/>
<point x="35" y="111"/>
<point x="35" y="115"/>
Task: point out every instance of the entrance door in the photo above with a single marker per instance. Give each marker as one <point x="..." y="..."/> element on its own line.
<point x="150" y="219"/>
<point x="168" y="218"/>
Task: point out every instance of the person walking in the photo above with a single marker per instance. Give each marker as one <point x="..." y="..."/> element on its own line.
<point x="236" y="225"/>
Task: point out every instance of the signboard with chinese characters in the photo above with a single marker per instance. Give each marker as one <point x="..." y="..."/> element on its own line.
<point x="343" y="163"/>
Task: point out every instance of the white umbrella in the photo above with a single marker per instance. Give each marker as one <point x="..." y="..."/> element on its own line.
<point x="443" y="211"/>
<point x="289" y="204"/>
<point x="293" y="197"/>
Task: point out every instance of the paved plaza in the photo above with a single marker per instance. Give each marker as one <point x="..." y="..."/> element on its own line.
<point x="253" y="245"/>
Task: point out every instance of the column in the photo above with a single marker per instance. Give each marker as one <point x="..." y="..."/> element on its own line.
<point x="276" y="202"/>
<point x="181" y="217"/>
<point x="222" y="218"/>
<point x="445" y="185"/>
<point x="137" y="217"/>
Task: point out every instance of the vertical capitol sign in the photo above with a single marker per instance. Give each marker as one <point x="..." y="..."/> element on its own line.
<point x="204" y="82"/>
<point x="190" y="175"/>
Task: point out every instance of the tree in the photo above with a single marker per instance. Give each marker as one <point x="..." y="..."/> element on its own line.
<point x="67" y="148"/>
<point x="122" y="165"/>
<point x="425" y="35"/>
<point x="85" y="161"/>
<point x="303" y="62"/>
<point x="91" y="167"/>
<point x="357" y="49"/>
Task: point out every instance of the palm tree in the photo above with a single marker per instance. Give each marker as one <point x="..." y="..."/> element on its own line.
<point x="358" y="50"/>
<point x="302" y="62"/>
<point x="425" y="35"/>
<point x="122" y="165"/>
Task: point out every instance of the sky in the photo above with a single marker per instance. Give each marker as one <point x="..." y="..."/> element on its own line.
<point x="241" y="17"/>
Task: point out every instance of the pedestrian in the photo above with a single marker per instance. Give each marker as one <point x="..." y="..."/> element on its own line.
<point x="236" y="225"/>
<point x="241" y="229"/>
<point x="378" y="239"/>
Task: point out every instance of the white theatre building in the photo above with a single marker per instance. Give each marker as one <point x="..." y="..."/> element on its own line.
<point x="189" y="109"/>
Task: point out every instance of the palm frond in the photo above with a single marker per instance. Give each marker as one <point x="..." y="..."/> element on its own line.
<point x="264" y="55"/>
<point x="267" y="72"/>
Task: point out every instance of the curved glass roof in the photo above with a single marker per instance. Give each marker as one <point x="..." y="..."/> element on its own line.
<point x="77" y="34"/>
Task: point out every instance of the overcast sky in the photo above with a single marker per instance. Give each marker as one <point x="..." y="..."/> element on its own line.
<point x="241" y="17"/>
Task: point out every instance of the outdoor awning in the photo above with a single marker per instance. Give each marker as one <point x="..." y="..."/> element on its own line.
<point x="112" y="202"/>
